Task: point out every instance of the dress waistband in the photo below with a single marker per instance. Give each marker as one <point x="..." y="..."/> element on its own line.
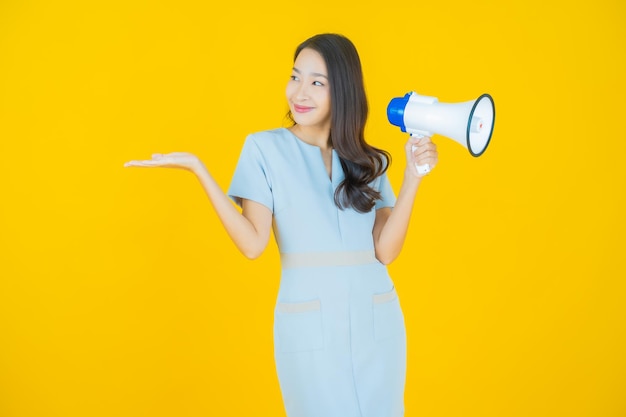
<point x="338" y="258"/>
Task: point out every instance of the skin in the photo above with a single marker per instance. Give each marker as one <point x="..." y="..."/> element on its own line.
<point x="308" y="96"/>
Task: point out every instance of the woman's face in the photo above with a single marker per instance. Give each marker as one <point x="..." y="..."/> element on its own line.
<point x="308" y="93"/>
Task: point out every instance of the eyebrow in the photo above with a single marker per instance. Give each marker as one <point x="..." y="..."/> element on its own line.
<point x="315" y="74"/>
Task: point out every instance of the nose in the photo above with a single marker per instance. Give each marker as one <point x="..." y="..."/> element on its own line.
<point x="302" y="93"/>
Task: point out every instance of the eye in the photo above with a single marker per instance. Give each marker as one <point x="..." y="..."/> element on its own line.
<point x="318" y="83"/>
<point x="294" y="78"/>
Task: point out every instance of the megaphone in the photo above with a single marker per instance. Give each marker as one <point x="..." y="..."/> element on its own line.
<point x="469" y="123"/>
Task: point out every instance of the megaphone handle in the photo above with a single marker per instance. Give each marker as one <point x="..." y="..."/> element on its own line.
<point x="421" y="169"/>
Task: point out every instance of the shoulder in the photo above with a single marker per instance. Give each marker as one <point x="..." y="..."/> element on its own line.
<point x="274" y="145"/>
<point x="269" y="138"/>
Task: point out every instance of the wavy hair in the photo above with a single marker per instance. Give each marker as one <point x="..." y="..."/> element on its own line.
<point x="361" y="162"/>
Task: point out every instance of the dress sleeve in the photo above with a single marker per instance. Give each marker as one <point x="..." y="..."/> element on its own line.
<point x="251" y="180"/>
<point x="387" y="196"/>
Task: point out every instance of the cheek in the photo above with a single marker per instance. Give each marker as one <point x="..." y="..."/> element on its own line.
<point x="289" y="90"/>
<point x="324" y="98"/>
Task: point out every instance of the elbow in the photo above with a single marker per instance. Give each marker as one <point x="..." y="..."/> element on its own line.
<point x="385" y="258"/>
<point x="252" y="252"/>
<point x="252" y="248"/>
<point x="251" y="255"/>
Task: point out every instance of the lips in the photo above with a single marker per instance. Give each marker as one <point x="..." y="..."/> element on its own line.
<point x="302" y="109"/>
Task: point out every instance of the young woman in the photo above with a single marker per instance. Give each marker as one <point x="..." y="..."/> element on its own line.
<point x="339" y="336"/>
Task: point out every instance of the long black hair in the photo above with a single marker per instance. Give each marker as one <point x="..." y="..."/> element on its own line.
<point x="361" y="162"/>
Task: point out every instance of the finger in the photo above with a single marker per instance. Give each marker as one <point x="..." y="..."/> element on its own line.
<point x="426" y="154"/>
<point x="422" y="155"/>
<point x="424" y="149"/>
<point x="132" y="163"/>
<point x="417" y="150"/>
<point x="419" y="140"/>
<point x="149" y="163"/>
<point x="427" y="161"/>
<point x="414" y="139"/>
<point x="424" y="140"/>
<point x="430" y="160"/>
<point x="418" y="143"/>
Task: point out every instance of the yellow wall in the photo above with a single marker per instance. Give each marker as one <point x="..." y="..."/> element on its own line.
<point x="121" y="295"/>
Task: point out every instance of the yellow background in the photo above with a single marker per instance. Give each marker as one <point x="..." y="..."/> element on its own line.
<point x="121" y="295"/>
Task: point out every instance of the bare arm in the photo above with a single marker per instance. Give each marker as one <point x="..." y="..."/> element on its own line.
<point x="249" y="229"/>
<point x="391" y="226"/>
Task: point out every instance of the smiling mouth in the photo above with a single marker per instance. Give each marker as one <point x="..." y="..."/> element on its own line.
<point x="302" y="109"/>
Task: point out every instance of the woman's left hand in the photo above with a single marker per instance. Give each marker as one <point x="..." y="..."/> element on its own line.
<point x="420" y="152"/>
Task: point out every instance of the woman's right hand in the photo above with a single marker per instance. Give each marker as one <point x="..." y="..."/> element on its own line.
<point x="181" y="160"/>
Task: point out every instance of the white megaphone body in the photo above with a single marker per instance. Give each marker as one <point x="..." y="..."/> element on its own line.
<point x="469" y="123"/>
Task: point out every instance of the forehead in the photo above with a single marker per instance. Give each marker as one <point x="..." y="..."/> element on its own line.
<point x="309" y="60"/>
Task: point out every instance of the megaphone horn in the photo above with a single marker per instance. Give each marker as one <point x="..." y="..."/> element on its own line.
<point x="469" y="123"/>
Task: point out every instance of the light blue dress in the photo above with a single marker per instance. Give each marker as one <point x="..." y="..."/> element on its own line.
<point x="339" y="336"/>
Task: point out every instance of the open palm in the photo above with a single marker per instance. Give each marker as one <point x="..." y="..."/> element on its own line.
<point x="182" y="160"/>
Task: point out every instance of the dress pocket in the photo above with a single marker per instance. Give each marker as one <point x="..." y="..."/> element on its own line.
<point x="298" y="326"/>
<point x="388" y="318"/>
